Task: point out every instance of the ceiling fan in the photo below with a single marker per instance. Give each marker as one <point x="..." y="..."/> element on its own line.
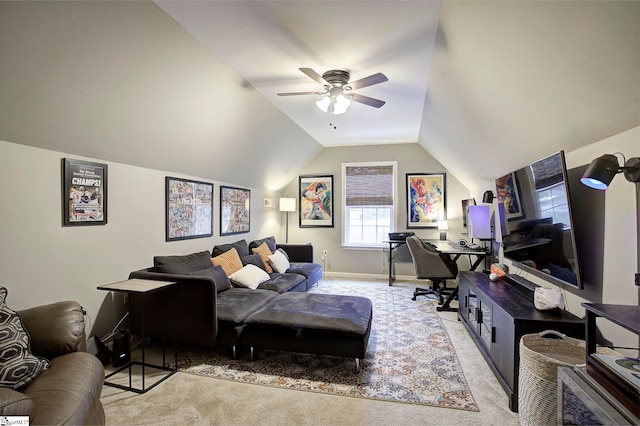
<point x="338" y="91"/>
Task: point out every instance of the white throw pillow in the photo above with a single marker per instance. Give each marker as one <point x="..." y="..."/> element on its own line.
<point x="250" y="276"/>
<point x="279" y="262"/>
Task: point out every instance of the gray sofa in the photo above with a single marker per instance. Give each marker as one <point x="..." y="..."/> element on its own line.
<point x="204" y="308"/>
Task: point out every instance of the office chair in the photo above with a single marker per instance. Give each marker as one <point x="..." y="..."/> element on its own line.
<point x="431" y="265"/>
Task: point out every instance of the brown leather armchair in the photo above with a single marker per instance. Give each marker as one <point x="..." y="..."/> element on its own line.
<point x="68" y="392"/>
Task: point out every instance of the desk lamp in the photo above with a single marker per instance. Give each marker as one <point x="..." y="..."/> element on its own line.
<point x="601" y="172"/>
<point x="443" y="226"/>
<point x="287" y="204"/>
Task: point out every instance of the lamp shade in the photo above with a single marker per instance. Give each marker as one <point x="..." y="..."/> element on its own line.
<point x="324" y="103"/>
<point x="287" y="204"/>
<point x="443" y="225"/>
<point x="601" y="172"/>
<point x="487" y="197"/>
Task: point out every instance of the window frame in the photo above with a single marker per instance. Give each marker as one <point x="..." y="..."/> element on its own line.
<point x="345" y="209"/>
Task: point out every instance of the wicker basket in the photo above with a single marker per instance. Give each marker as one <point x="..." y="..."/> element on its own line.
<point x="540" y="357"/>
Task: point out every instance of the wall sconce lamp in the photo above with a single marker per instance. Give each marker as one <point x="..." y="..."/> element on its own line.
<point x="443" y="226"/>
<point x="601" y="172"/>
<point x="287" y="204"/>
<point x="488" y="197"/>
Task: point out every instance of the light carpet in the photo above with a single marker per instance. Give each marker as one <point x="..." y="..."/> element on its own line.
<point x="410" y="357"/>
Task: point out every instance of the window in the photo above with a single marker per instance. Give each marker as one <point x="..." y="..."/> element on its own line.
<point x="553" y="203"/>
<point x="551" y="190"/>
<point x="368" y="203"/>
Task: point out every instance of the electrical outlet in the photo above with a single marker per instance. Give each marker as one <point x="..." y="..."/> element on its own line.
<point x="325" y="254"/>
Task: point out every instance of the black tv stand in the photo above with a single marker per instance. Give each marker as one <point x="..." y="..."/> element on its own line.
<point x="498" y="313"/>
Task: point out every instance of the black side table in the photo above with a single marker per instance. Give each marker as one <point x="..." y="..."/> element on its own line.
<point x="143" y="287"/>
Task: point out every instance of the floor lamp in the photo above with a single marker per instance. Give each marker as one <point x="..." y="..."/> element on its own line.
<point x="287" y="204"/>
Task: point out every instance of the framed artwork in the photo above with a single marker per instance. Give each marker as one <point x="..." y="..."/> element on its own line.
<point x="84" y="193"/>
<point x="316" y="201"/>
<point x="508" y="193"/>
<point x="189" y="206"/>
<point x="426" y="199"/>
<point x="235" y="206"/>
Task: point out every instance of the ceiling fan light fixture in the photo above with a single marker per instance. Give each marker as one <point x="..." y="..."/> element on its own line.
<point x="341" y="105"/>
<point x="324" y="103"/>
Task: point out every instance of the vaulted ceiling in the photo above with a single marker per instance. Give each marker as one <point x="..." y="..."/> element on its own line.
<point x="190" y="87"/>
<point x="471" y="81"/>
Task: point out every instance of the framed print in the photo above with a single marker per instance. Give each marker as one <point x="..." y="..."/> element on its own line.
<point x="508" y="193"/>
<point x="189" y="209"/>
<point x="84" y="193"/>
<point x="235" y="206"/>
<point x="316" y="201"/>
<point x="426" y="199"/>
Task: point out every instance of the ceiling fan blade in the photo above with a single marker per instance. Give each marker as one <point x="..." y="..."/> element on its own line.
<point x="314" y="76"/>
<point x="368" y="81"/>
<point x="376" y="103"/>
<point x="300" y="93"/>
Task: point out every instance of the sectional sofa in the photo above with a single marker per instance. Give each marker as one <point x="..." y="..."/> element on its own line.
<point x="209" y="305"/>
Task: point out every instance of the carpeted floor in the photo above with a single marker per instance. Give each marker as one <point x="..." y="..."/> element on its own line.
<point x="187" y="398"/>
<point x="410" y="357"/>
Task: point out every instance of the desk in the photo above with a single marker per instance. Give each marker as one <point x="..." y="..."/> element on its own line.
<point x="444" y="247"/>
<point x="142" y="287"/>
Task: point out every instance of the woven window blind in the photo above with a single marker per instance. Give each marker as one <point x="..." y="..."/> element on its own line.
<point x="547" y="172"/>
<point x="369" y="185"/>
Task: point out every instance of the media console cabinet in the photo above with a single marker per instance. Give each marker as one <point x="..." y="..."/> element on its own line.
<point x="498" y="313"/>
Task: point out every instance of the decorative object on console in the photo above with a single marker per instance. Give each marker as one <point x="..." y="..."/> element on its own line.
<point x="316" y="201"/>
<point x="545" y="299"/>
<point x="84" y="193"/>
<point x="601" y="172"/>
<point x="426" y="199"/>
<point x="235" y="217"/>
<point x="287" y="204"/>
<point x="500" y="269"/>
<point x="443" y="226"/>
<point x="189" y="209"/>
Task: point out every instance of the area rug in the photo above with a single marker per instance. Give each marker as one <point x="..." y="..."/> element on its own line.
<point x="409" y="358"/>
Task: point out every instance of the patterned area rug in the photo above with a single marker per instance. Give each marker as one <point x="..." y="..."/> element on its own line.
<point x="409" y="358"/>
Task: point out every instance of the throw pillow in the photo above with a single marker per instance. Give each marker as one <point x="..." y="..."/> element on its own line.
<point x="281" y="250"/>
<point x="264" y="251"/>
<point x="241" y="246"/>
<point x="229" y="261"/>
<point x="217" y="274"/>
<point x="271" y="242"/>
<point x="279" y="262"/>
<point x="249" y="276"/>
<point x="18" y="366"/>
<point x="182" y="264"/>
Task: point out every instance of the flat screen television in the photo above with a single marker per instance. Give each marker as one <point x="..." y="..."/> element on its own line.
<point x="535" y="210"/>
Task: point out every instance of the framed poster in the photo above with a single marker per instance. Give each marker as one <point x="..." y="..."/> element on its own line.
<point x="316" y="201"/>
<point x="508" y="193"/>
<point x="84" y="193"/>
<point x="426" y="199"/>
<point x="189" y="209"/>
<point x="235" y="204"/>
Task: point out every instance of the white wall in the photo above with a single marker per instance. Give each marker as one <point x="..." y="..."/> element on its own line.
<point x="42" y="262"/>
<point x="411" y="158"/>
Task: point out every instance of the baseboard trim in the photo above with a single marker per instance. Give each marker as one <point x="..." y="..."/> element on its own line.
<point x="355" y="275"/>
